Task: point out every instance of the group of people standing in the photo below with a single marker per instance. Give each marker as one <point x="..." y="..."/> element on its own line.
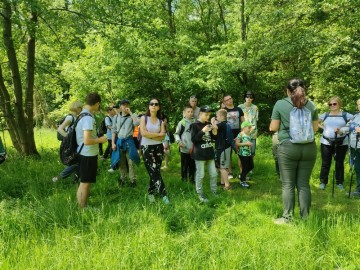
<point x="296" y="160"/>
<point x="234" y="129"/>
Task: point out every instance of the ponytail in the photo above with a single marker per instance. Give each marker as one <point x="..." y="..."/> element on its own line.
<point x="298" y="97"/>
<point x="297" y="93"/>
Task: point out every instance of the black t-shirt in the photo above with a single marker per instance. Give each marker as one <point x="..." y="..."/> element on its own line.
<point x="234" y="119"/>
<point x="203" y="147"/>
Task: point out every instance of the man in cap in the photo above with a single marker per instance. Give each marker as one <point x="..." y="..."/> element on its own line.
<point x="123" y="145"/>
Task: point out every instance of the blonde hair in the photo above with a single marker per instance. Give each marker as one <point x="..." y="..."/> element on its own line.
<point x="336" y="99"/>
<point x="222" y="113"/>
<point x="75" y="105"/>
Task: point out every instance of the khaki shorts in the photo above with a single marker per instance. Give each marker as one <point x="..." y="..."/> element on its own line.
<point x="225" y="158"/>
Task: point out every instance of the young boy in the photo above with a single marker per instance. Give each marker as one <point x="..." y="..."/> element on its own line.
<point x="108" y="123"/>
<point x="223" y="144"/>
<point x="243" y="141"/>
<point x="202" y="132"/>
<point x="87" y="140"/>
<point x="183" y="139"/>
<point x="123" y="143"/>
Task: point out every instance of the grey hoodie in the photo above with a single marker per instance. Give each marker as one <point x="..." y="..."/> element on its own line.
<point x="184" y="124"/>
<point x="350" y="128"/>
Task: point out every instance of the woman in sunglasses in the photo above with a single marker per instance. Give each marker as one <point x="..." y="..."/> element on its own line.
<point x="152" y="131"/>
<point x="332" y="143"/>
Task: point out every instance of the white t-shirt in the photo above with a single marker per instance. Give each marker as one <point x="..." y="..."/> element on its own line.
<point x="86" y="123"/>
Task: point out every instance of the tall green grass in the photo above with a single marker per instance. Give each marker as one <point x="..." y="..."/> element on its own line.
<point x="42" y="228"/>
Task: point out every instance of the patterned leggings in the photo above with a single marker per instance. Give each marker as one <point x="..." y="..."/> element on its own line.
<point x="153" y="155"/>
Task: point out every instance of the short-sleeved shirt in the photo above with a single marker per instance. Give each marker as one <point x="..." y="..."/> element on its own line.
<point x="281" y="111"/>
<point x="234" y="119"/>
<point x="86" y="123"/>
<point x="251" y="114"/>
<point x="332" y="122"/>
<point x="244" y="150"/>
<point x="108" y="123"/>
<point x="70" y="118"/>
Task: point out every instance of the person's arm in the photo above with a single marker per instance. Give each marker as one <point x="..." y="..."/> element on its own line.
<point x="88" y="140"/>
<point x="275" y="125"/>
<point x="151" y="135"/>
<point x="61" y="128"/>
<point x="315" y="125"/>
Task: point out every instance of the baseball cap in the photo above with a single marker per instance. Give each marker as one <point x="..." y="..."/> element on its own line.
<point x="206" y="108"/>
<point x="122" y="102"/>
<point x="246" y="124"/>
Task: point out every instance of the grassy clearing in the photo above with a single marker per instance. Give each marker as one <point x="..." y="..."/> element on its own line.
<point x="42" y="228"/>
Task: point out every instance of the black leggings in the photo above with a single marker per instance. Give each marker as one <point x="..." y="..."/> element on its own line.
<point x="153" y="155"/>
<point x="327" y="152"/>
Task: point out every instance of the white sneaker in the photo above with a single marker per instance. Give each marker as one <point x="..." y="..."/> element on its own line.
<point x="55" y="179"/>
<point x="230" y="176"/>
<point x="322" y="186"/>
<point x="151" y="198"/>
<point x="111" y="170"/>
<point x="166" y="200"/>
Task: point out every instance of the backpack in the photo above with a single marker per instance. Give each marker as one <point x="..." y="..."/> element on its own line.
<point x="343" y="115"/>
<point x="103" y="127"/>
<point x="58" y="123"/>
<point x="68" y="147"/>
<point x="301" y="129"/>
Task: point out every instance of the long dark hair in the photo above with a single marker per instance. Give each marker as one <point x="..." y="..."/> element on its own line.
<point x="158" y="113"/>
<point x="297" y="92"/>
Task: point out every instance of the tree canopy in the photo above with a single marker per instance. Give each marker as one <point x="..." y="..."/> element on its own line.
<point x="53" y="52"/>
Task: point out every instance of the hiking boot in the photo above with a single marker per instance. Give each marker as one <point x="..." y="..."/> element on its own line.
<point x="203" y="199"/>
<point x="243" y="184"/>
<point x="151" y="198"/>
<point x="322" y="186"/>
<point x="340" y="186"/>
<point x="230" y="176"/>
<point x="166" y="200"/>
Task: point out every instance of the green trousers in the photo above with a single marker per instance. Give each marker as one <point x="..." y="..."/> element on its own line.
<point x="296" y="162"/>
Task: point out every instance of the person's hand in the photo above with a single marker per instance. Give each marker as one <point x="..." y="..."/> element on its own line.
<point x="357" y="129"/>
<point x="249" y="143"/>
<point x="336" y="130"/>
<point x="103" y="139"/>
<point x="207" y="128"/>
<point x="113" y="146"/>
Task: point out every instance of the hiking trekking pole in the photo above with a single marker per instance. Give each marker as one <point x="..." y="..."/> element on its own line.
<point x="353" y="163"/>
<point x="334" y="171"/>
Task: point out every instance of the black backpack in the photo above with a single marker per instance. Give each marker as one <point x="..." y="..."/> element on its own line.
<point x="68" y="146"/>
<point x="58" y="135"/>
<point x="103" y="127"/>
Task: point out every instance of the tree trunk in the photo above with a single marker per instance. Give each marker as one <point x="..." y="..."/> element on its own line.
<point x="19" y="116"/>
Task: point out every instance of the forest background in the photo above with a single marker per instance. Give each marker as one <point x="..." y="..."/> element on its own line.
<point x="53" y="52"/>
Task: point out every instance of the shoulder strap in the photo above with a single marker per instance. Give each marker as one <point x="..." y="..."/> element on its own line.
<point x="81" y="115"/>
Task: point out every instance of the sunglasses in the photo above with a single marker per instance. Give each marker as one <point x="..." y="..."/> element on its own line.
<point x="249" y="96"/>
<point x="154" y="104"/>
<point x="227" y="99"/>
<point x="332" y="104"/>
